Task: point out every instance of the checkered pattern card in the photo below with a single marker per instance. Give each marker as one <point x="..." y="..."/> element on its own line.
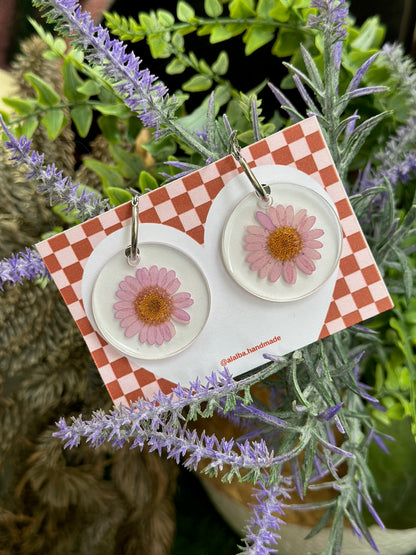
<point x="223" y="277"/>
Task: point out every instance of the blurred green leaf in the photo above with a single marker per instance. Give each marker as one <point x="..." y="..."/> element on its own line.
<point x="118" y="196"/>
<point x="184" y="11"/>
<point x="220" y="66"/>
<point x="54" y="121"/>
<point x="213" y="8"/>
<point x="147" y="182"/>
<point x="21" y="105"/>
<point x="197" y="83"/>
<point x="46" y="94"/>
<point x="109" y="174"/>
<point x="82" y="117"/>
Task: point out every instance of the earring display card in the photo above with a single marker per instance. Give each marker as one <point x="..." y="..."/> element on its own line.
<point x="235" y="317"/>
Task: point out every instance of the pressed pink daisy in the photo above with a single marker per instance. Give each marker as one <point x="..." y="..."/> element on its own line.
<point x="150" y="304"/>
<point x="283" y="243"/>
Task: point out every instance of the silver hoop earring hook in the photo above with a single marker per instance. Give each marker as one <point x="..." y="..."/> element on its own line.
<point x="133" y="252"/>
<point x="262" y="191"/>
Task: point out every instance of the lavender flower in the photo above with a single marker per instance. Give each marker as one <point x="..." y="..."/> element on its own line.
<point x="25" y="265"/>
<point x="331" y="19"/>
<point x="140" y="90"/>
<point x="59" y="189"/>
<point x="262" y="528"/>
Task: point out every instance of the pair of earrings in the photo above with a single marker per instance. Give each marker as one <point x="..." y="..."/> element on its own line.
<point x="278" y="252"/>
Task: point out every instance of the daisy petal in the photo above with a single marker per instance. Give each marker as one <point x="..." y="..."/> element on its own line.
<point x="145" y="277"/>
<point x="265" y="221"/>
<point x="254" y="247"/>
<point x="313" y="244"/>
<point x="257" y="230"/>
<point x="162" y="277"/>
<point x="274" y="216"/>
<point x="168" y="330"/>
<point x="307" y="224"/>
<point x="125" y="295"/>
<point x="143" y="333"/>
<point x="311" y="253"/>
<point x="312" y="234"/>
<point x="133" y="284"/>
<point x="256" y="255"/>
<point x="159" y="335"/>
<point x="290" y="213"/>
<point x="173" y="286"/>
<point x="281" y="214"/>
<point x="264" y="271"/>
<point x="182" y="300"/>
<point x="133" y="329"/>
<point x="151" y="335"/>
<point x="299" y="218"/>
<point x="276" y="271"/>
<point x="154" y="275"/>
<point x="255" y="239"/>
<point x="128" y="321"/>
<point x="125" y="313"/>
<point x="122" y="304"/>
<point x="261" y="263"/>
<point x="289" y="272"/>
<point x="305" y="264"/>
<point x="179" y="315"/>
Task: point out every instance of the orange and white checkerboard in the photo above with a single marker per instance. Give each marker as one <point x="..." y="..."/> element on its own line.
<point x="184" y="204"/>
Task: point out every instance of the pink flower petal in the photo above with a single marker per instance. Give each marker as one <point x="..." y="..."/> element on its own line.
<point x="281" y="213"/>
<point x="128" y="321"/>
<point x="125" y="295"/>
<point x="143" y="333"/>
<point x="133" y="284"/>
<point x="274" y="216"/>
<point x="299" y="218"/>
<point x="182" y="300"/>
<point x="162" y="277"/>
<point x="145" y="277"/>
<point x="151" y="335"/>
<point x="179" y="315"/>
<point x="311" y="253"/>
<point x="264" y="271"/>
<point x="173" y="286"/>
<point x="257" y="230"/>
<point x="168" y="330"/>
<point x="312" y="234"/>
<point x="123" y="304"/>
<point x="254" y="247"/>
<point x="265" y="221"/>
<point x="305" y="264"/>
<point x="255" y="239"/>
<point x="261" y="263"/>
<point x="125" y="313"/>
<point x="154" y="275"/>
<point x="289" y="272"/>
<point x="170" y="277"/>
<point x="126" y="287"/>
<point x="276" y="271"/>
<point x="159" y="335"/>
<point x="290" y="213"/>
<point x="313" y="244"/>
<point x="133" y="329"/>
<point x="307" y="224"/>
<point x="256" y="255"/>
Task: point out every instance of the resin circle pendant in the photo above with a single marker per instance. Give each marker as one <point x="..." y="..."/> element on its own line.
<point x="286" y="249"/>
<point x="155" y="309"/>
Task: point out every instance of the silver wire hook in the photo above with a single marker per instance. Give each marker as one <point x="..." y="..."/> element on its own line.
<point x="262" y="191"/>
<point x="133" y="252"/>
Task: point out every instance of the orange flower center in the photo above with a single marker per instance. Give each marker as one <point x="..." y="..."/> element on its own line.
<point x="285" y="243"/>
<point x="153" y="305"/>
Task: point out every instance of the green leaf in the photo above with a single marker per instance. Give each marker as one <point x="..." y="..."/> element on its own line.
<point x="119" y="109"/>
<point x="28" y="127"/>
<point x="118" y="196"/>
<point x="175" y="67"/>
<point x="178" y="41"/>
<point x="46" y="94"/>
<point x="264" y="7"/>
<point x="147" y="182"/>
<point x="130" y="164"/>
<point x="256" y="37"/>
<point x="220" y="66"/>
<point x="184" y="11"/>
<point x="241" y="8"/>
<point x="219" y="34"/>
<point x="109" y="128"/>
<point x="82" y="118"/>
<point x="287" y="43"/>
<point x="159" y="46"/>
<point x="370" y="35"/>
<point x="72" y="82"/>
<point x="197" y="83"/>
<point x="165" y="18"/>
<point x="109" y="175"/>
<point x="213" y="8"/>
<point x="89" y="88"/>
<point x="54" y="121"/>
<point x="20" y="105"/>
